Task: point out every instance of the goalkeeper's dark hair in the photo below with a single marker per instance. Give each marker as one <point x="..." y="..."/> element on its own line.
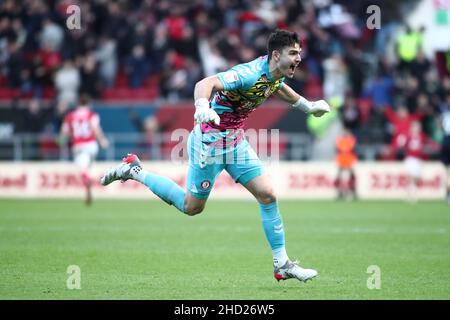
<point x="280" y="39"/>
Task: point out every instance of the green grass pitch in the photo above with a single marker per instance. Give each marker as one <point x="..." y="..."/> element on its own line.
<point x="147" y="250"/>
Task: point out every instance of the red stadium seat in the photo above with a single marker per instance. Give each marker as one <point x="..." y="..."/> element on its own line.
<point x="313" y="89"/>
<point x="8" y="93"/>
<point x="49" y="93"/>
<point x="128" y="94"/>
<point x="121" y="79"/>
<point x="364" y="106"/>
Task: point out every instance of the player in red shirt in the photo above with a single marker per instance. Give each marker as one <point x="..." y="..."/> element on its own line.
<point x="82" y="126"/>
<point x="401" y="122"/>
<point x="416" y="149"/>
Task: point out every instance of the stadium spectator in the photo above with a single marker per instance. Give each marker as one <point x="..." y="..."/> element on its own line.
<point x="350" y="115"/>
<point x="34" y="120"/>
<point x="67" y="82"/>
<point x="178" y="73"/>
<point x="409" y="90"/>
<point x="380" y="90"/>
<point x="420" y="67"/>
<point x="142" y="36"/>
<point x="429" y="119"/>
<point x="10" y="122"/>
<point x="14" y="65"/>
<point x="90" y="82"/>
<point x="159" y="48"/>
<point x="408" y="45"/>
<point x="335" y="83"/>
<point x="106" y="56"/>
<point x="77" y="43"/>
<point x="213" y="62"/>
<point x="444" y="90"/>
<point x="354" y="61"/>
<point x="19" y="32"/>
<point x="51" y="36"/>
<point x="137" y="66"/>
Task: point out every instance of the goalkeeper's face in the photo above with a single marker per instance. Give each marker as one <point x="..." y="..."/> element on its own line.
<point x="289" y="60"/>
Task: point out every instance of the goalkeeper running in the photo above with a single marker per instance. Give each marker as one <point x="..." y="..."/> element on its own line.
<point x="217" y="142"/>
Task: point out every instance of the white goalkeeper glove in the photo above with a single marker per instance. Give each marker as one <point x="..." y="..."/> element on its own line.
<point x="205" y="114"/>
<point x="316" y="108"/>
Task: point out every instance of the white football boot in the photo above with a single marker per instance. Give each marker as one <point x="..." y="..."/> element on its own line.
<point x="291" y="270"/>
<point x="130" y="164"/>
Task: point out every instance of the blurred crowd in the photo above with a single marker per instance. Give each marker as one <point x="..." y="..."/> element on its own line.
<point x="172" y="44"/>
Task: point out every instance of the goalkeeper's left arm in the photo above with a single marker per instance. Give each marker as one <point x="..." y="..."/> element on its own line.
<point x="316" y="108"/>
<point x="203" y="90"/>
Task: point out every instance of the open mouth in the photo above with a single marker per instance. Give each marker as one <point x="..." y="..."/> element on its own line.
<point x="292" y="67"/>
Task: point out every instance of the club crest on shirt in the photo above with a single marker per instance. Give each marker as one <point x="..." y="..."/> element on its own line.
<point x="205" y="184"/>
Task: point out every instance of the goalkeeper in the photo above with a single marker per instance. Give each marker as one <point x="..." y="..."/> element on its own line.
<point x="217" y="142"/>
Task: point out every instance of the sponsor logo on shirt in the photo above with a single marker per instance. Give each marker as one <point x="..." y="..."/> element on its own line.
<point x="230" y="76"/>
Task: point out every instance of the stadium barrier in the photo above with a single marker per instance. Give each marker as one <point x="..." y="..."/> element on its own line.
<point x="291" y="180"/>
<point x="159" y="147"/>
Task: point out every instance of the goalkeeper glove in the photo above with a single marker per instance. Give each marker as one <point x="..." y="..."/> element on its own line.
<point x="203" y="113"/>
<point x="316" y="108"/>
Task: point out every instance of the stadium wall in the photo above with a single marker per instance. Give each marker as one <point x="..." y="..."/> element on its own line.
<point x="292" y="180"/>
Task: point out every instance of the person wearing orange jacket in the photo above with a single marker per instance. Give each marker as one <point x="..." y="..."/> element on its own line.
<point x="346" y="159"/>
